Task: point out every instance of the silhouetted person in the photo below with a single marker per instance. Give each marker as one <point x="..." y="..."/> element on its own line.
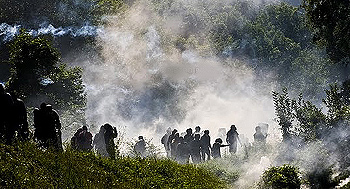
<point x="74" y="139"/>
<point x="140" y="147"/>
<point x="183" y="152"/>
<point x="170" y="140"/>
<point x="197" y="130"/>
<point x="99" y="142"/>
<point x="195" y="149"/>
<point x="232" y="138"/>
<point x="40" y="125"/>
<point x="47" y="127"/>
<point x="205" y="145"/>
<point x="164" y="141"/>
<point x="215" y="151"/>
<point x="173" y="145"/>
<point x="110" y="134"/>
<point x="6" y="104"/>
<point x="188" y="137"/>
<point x="259" y="137"/>
<point x="54" y="128"/>
<point x="19" y="118"/>
<point x="83" y="139"/>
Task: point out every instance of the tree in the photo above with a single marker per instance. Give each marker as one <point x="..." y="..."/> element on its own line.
<point x="32" y="60"/>
<point x="278" y="34"/>
<point x="38" y="76"/>
<point x="330" y="20"/>
<point x="284" y="111"/>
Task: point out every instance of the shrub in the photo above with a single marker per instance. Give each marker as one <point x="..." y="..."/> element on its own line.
<point x="285" y="176"/>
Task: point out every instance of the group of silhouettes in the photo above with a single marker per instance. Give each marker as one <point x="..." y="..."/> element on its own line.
<point x="14" y="123"/>
<point x="196" y="147"/>
<point x="103" y="142"/>
<point x="193" y="146"/>
<point x="47" y="128"/>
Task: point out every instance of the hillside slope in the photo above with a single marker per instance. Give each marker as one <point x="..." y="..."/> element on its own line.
<point x="26" y="166"/>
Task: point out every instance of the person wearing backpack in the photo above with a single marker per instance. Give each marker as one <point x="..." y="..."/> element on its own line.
<point x="84" y="139"/>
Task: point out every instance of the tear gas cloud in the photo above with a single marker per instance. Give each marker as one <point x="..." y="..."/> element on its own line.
<point x="8" y="32"/>
<point x="144" y="83"/>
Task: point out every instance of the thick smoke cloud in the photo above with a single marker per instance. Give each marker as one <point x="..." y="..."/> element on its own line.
<point x="145" y="83"/>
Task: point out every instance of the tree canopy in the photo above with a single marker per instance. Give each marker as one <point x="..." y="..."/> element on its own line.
<point x="36" y="71"/>
<point x="330" y="21"/>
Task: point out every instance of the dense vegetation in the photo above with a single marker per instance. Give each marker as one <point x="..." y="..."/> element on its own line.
<point x="26" y="166"/>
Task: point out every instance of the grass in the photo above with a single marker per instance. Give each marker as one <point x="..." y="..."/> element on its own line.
<point x="25" y="166"/>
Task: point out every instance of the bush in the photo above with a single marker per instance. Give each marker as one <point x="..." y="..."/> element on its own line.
<point x="285" y="176"/>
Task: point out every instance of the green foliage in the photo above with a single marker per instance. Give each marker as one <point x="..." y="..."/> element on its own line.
<point x="280" y="40"/>
<point x="227" y="168"/>
<point x="311" y="120"/>
<point x="26" y="166"/>
<point x="227" y="30"/>
<point x="312" y="68"/>
<point x="31" y="59"/>
<point x="57" y="12"/>
<point x="338" y="104"/>
<point x="108" y="7"/>
<point x="35" y="73"/>
<point x="38" y="76"/>
<point x="151" y="149"/>
<point x="278" y="34"/>
<point x="285" y="176"/>
<point x="284" y="111"/>
<point x="330" y="21"/>
<point x="320" y="177"/>
<point x="299" y="118"/>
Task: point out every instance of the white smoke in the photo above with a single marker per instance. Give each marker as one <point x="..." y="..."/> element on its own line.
<point x="145" y="84"/>
<point x="8" y="32"/>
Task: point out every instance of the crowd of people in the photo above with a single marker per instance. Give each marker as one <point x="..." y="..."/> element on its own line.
<point x="196" y="147"/>
<point x="193" y="146"/>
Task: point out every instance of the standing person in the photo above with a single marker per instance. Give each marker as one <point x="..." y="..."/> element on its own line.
<point x="169" y="142"/>
<point x="232" y="138"/>
<point x="164" y="141"/>
<point x="259" y="137"/>
<point x="110" y="134"/>
<point x="82" y="139"/>
<point x="205" y="145"/>
<point x="19" y="118"/>
<point x="183" y="152"/>
<point x="140" y="147"/>
<point x="173" y="145"/>
<point x="197" y="130"/>
<point x="216" y="153"/>
<point x="99" y="142"/>
<point x="6" y="104"/>
<point x="195" y="149"/>
<point x="74" y="140"/>
<point x="40" y="125"/>
<point x="54" y="131"/>
<point x="189" y="136"/>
